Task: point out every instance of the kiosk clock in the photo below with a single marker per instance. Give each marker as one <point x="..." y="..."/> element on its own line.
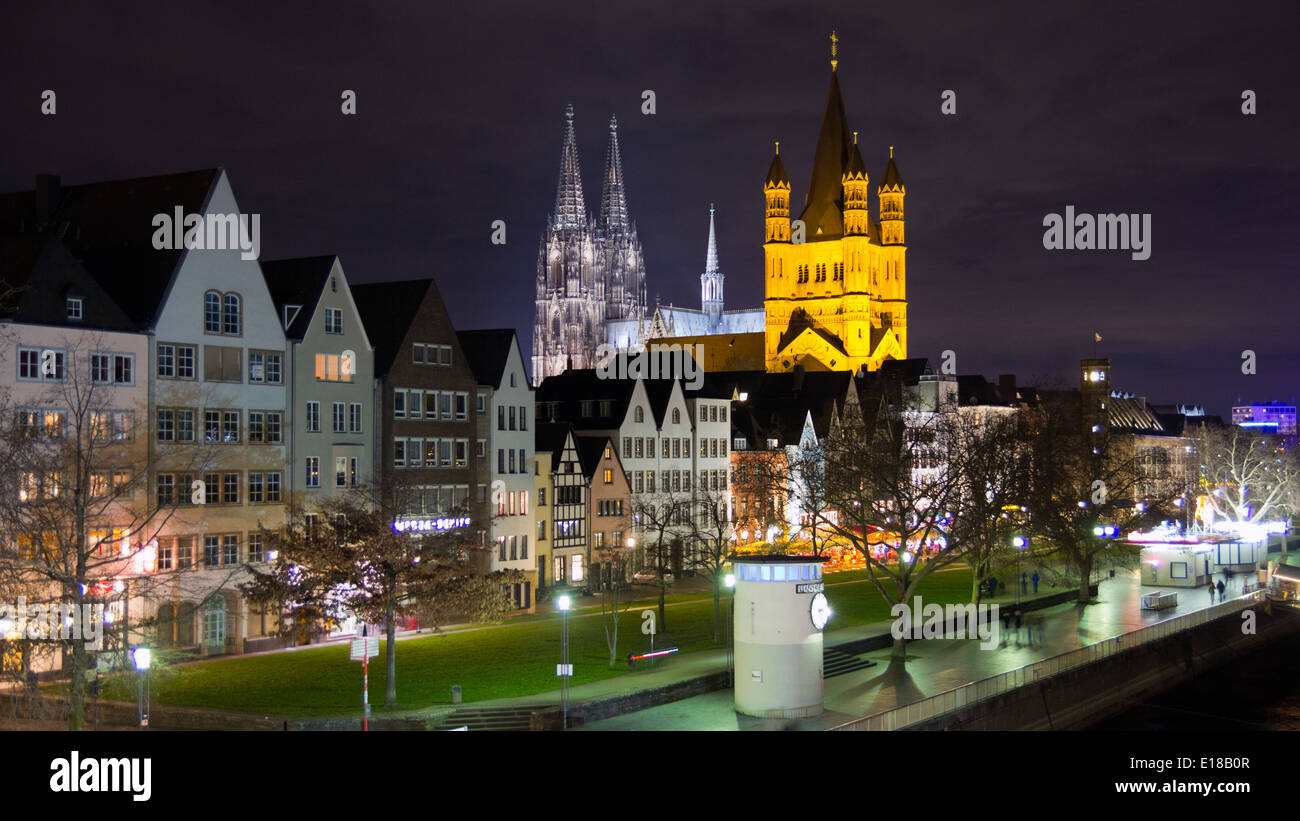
<point x="820" y="611"/>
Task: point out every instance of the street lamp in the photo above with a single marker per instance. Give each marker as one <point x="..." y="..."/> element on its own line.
<point x="565" y="669"/>
<point x="141" y="657"/>
<point x="1019" y="543"/>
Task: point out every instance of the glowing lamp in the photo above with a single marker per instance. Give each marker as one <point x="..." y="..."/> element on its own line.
<point x="562" y="603"/>
<point x="729" y="580"/>
<point x="141" y="657"/>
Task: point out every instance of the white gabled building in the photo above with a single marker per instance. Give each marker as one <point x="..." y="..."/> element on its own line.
<point x="505" y="450"/>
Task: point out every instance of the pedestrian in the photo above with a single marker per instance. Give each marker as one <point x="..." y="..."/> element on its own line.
<point x="1035" y="581"/>
<point x="1220" y="586"/>
<point x="1211" y="591"/>
<point x="1024" y="582"/>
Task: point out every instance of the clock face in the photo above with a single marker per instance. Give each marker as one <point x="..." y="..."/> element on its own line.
<point x="820" y="611"/>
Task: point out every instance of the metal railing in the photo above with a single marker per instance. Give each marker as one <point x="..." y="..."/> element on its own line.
<point x="973" y="693"/>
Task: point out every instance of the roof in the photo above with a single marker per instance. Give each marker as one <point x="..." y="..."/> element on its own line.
<point x="1132" y="415"/>
<point x="108" y="228"/>
<point x="487" y="351"/>
<point x="891" y="180"/>
<point x="824" y="203"/>
<point x="778" y="404"/>
<point x="974" y="389"/>
<point x="856" y="168"/>
<point x="298" y="281"/>
<point x="591" y="450"/>
<point x="550" y="437"/>
<point x="623" y="333"/>
<point x="776" y="175"/>
<point x="573" y="387"/>
<point x="388" y="310"/>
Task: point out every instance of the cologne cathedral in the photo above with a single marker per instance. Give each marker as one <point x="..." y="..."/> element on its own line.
<point x="589" y="272"/>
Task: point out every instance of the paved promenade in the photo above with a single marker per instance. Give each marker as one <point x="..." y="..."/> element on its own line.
<point x="933" y="666"/>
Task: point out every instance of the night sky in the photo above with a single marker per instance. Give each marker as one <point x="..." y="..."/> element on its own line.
<point x="1108" y="106"/>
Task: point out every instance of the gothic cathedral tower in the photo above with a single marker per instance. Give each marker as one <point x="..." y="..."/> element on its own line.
<point x="835" y="293"/>
<point x="587" y="272"/>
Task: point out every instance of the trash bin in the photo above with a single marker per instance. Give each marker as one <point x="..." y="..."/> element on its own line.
<point x="455" y="694"/>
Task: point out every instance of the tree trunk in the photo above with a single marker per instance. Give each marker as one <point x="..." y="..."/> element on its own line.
<point x="975" y="584"/>
<point x="899" y="651"/>
<point x="390" y="684"/>
<point x="1085" y="581"/>
<point x="77" y="693"/>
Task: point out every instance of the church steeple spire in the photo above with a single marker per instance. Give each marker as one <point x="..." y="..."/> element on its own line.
<point x="711" y="279"/>
<point x="825" y="199"/>
<point x="570" y="208"/>
<point x="613" y="196"/>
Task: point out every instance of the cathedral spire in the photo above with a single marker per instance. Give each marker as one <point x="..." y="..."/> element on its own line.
<point x="711" y="257"/>
<point x="570" y="209"/>
<point x="613" y="197"/>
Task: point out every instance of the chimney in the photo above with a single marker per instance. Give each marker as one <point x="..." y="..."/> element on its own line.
<point x="1007" y="387"/>
<point x="48" y="194"/>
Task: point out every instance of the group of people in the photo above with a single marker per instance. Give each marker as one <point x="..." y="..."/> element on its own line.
<point x="1222" y="587"/>
<point x="1013" y="618"/>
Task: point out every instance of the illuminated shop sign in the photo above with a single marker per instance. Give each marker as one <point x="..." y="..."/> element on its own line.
<point x="427" y="525"/>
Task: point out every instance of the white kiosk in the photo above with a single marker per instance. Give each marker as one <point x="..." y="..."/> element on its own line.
<point x="780" y="610"/>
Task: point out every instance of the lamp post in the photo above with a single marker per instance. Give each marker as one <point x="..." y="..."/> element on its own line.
<point x="142" y="657"/>
<point x="1019" y="543"/>
<point x="730" y="581"/>
<point x="565" y="668"/>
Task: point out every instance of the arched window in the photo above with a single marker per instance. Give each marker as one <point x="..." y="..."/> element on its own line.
<point x="677" y="416"/>
<point x="639" y="415"/>
<point x="230" y="314"/>
<point x="212" y="312"/>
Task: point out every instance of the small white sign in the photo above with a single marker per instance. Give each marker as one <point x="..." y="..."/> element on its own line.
<point x="365" y="648"/>
<point x="564" y="670"/>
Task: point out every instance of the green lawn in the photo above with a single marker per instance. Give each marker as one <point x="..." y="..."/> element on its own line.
<point x="515" y="659"/>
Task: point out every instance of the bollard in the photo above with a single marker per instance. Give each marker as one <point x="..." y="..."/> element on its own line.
<point x="455" y="694"/>
<point x="631" y="665"/>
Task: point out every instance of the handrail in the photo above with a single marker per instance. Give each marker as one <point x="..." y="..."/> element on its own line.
<point x="984" y="689"/>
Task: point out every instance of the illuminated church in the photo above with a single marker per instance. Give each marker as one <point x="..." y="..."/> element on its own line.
<point x="835" y="280"/>
<point x="835" y="298"/>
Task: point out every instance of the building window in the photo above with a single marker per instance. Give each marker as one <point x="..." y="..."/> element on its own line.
<point x="313" y="417"/>
<point x="462" y="406"/>
<point x="639" y="415"/>
<point x="338" y="417"/>
<point x="211" y="551"/>
<point x="74" y="306"/>
<point x="41" y="364"/>
<point x="330" y="368"/>
<point x="354" y="417"/>
<point x="399" y="403"/>
<point x="212" y="313"/>
<point x="480" y="403"/>
<point x="256" y="551"/>
<point x="609" y="476"/>
<point x="313" y="471"/>
<point x="333" y="321"/>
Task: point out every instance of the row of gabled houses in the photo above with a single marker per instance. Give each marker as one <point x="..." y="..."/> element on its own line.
<point x="242" y="393"/>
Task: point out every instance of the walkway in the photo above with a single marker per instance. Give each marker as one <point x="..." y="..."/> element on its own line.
<point x="932" y="667"/>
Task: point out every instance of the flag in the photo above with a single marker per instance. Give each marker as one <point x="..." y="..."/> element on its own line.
<point x="1097" y="336"/>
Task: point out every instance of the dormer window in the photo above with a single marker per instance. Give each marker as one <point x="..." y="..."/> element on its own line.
<point x="333" y="321"/>
<point x="75" y="306"/>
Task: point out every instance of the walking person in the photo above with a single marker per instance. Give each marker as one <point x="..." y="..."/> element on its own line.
<point x="1024" y="582"/>
<point x="1220" y="586"/>
<point x="1035" y="581"/>
<point x="1211" y="590"/>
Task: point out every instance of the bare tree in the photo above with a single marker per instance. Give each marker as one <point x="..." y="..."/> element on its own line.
<point x="713" y="534"/>
<point x="662" y="519"/>
<point x="615" y="597"/>
<point x="1247" y="477"/>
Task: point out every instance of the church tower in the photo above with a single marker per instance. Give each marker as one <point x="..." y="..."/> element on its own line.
<point x="711" y="280"/>
<point x="624" y="266"/>
<point x="835" y="293"/>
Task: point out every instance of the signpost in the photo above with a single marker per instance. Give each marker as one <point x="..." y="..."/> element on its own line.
<point x="363" y="650"/>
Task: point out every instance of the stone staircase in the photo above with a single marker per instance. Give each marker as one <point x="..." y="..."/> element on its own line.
<point x="488" y="719"/>
<point x="837" y="663"/>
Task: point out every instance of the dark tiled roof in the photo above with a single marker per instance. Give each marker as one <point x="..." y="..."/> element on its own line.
<point x="388" y="309"/>
<point x="591" y="450"/>
<point x="856" y="168"/>
<point x="298" y="281"/>
<point x="974" y="389"/>
<point x="487" y="352"/>
<point x="108" y="228"/>
<point x="550" y="437"/>
<point x="570" y="388"/>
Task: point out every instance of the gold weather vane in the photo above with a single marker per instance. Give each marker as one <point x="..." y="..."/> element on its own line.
<point x="891" y="152"/>
<point x="778" y="146"/>
<point x="855" y="138"/>
<point x="834" y="50"/>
